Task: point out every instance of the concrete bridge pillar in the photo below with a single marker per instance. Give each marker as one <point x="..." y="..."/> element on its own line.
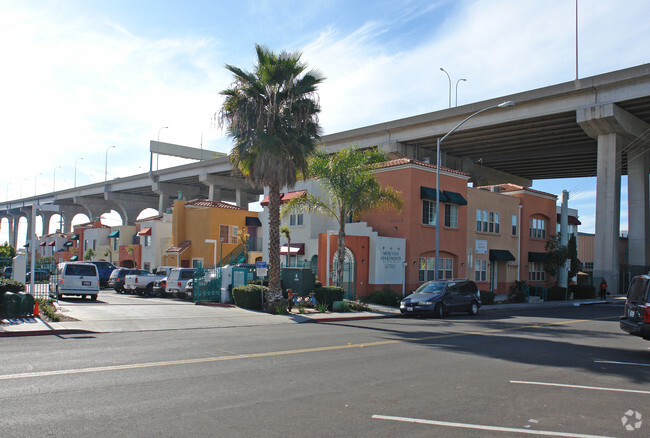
<point x="638" y="166"/>
<point x="45" y="216"/>
<point x="615" y="128"/>
<point x="13" y="236"/>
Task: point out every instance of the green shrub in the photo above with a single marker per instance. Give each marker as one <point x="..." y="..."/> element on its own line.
<point x="249" y="296"/>
<point x="9" y="285"/>
<point x="556" y="293"/>
<point x="487" y="297"/>
<point x="328" y="294"/>
<point x="384" y="297"/>
<point x="517" y="294"/>
<point x="581" y="292"/>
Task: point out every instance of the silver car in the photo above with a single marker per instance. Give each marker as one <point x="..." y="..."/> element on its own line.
<point x="177" y="281"/>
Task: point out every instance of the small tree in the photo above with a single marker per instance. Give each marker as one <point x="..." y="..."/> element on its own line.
<point x="572" y="252"/>
<point x="243" y="238"/>
<point x="89" y="254"/>
<point x="131" y="251"/>
<point x="556" y="255"/>
<point x="286" y="232"/>
<point x="7" y="250"/>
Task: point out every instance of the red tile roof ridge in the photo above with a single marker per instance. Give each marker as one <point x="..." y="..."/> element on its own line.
<point x="511" y="187"/>
<point x="213" y="204"/>
<point x="403" y="161"/>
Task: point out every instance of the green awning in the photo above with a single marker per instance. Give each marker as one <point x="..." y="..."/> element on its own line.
<point x="430" y="193"/>
<point x="69" y="243"/>
<point x="74" y="258"/>
<point x="537" y="257"/>
<point x="501" y="255"/>
<point x="75" y="237"/>
<point x="454" y="198"/>
<point x="114" y="234"/>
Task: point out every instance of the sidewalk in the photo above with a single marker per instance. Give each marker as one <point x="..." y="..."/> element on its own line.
<point x="202" y="317"/>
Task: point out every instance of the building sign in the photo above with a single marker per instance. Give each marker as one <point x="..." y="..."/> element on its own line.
<point x="389" y="257"/>
<point x="481" y="247"/>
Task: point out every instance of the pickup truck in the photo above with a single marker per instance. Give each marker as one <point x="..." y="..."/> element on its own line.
<point x="142" y="282"/>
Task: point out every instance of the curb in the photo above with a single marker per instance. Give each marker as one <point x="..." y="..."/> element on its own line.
<point x="56" y="332"/>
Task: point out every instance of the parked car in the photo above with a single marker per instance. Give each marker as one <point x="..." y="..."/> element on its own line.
<point x="440" y="297"/>
<point x="104" y="268"/>
<point x="141" y="282"/>
<point x="75" y="278"/>
<point x="6" y="272"/>
<point x="177" y="281"/>
<point x="39" y="275"/>
<point x="116" y="280"/>
<point x="636" y="316"/>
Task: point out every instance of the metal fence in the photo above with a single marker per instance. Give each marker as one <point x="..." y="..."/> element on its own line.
<point x="207" y="285"/>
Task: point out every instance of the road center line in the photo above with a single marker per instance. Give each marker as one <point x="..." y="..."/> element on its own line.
<point x="613" y="362"/>
<point x="272" y="353"/>
<point x="484" y="427"/>
<point x="597" y="388"/>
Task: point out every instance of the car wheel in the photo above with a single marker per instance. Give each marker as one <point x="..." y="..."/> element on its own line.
<point x="83" y="297"/>
<point x="149" y="290"/>
<point x="439" y="311"/>
<point x="473" y="309"/>
<point x="93" y="297"/>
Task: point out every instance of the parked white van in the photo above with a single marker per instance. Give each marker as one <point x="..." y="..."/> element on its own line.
<point x="75" y="278"/>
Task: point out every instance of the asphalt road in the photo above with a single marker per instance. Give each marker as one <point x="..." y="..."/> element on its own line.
<point x="558" y="372"/>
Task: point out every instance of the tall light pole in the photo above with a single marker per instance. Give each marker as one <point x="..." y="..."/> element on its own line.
<point x="7" y="194"/>
<point x="440" y="140"/>
<point x="54" y="178"/>
<point x="75" y="170"/>
<point x="40" y="173"/>
<point x="106" y="163"/>
<point x="464" y="80"/>
<point x="448" y="77"/>
<point x="158" y="155"/>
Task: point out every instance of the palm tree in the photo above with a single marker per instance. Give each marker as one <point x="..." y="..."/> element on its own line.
<point x="350" y="189"/>
<point x="286" y="232"/>
<point x="271" y="114"/>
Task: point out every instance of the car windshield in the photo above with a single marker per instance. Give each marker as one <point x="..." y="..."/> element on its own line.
<point x="638" y="289"/>
<point x="431" y="287"/>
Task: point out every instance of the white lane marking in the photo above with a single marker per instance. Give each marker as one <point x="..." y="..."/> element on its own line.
<point x="597" y="388"/>
<point x="623" y="363"/>
<point x="484" y="427"/>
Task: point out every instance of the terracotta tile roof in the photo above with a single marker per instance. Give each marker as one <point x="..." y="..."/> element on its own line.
<point x="179" y="248"/>
<point x="157" y="217"/>
<point x="213" y="204"/>
<point x="284" y="197"/>
<point x="404" y="161"/>
<point x="509" y="187"/>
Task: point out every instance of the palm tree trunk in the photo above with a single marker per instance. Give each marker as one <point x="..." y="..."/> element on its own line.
<point x="340" y="255"/>
<point x="274" y="292"/>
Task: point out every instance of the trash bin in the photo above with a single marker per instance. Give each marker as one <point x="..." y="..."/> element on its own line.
<point x="27" y="306"/>
<point x="11" y="304"/>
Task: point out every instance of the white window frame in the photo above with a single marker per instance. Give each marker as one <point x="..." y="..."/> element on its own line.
<point x="480" y="270"/>
<point x="451" y="215"/>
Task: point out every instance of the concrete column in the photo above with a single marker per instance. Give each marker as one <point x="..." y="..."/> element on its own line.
<point x="239" y="198"/>
<point x="67" y="221"/>
<point x="214" y="192"/>
<point x="45" y="216"/>
<point x="638" y="166"/>
<point x="12" y="231"/>
<point x="608" y="206"/>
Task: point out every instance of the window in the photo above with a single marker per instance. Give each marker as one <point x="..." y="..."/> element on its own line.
<point x="451" y="215"/>
<point x="228" y="233"/>
<point x="488" y="221"/>
<point x="514" y="225"/>
<point x="536" y="271"/>
<point x="147" y="240"/>
<point x="480" y="270"/>
<point x="428" y="212"/>
<point x="147" y="267"/>
<point x="116" y="244"/>
<point x="537" y="228"/>
<point x="295" y="219"/>
<point x="427" y="269"/>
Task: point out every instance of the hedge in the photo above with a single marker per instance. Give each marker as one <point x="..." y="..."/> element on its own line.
<point x="8" y="285"/>
<point x="487" y="297"/>
<point x="385" y="297"/>
<point x="582" y="292"/>
<point x="329" y="294"/>
<point x="249" y="296"/>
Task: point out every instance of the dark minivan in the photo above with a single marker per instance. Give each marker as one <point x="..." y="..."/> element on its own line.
<point x="440" y="297"/>
<point x="636" y="317"/>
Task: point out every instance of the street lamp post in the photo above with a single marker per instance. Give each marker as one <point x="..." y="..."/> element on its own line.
<point x="75" y="170"/>
<point x="464" y="80"/>
<point x="106" y="163"/>
<point x="440" y="140"/>
<point x="448" y="77"/>
<point x="54" y="178"/>
<point x="40" y="173"/>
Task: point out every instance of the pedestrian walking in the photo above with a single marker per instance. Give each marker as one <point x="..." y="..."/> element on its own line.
<point x="603" y="290"/>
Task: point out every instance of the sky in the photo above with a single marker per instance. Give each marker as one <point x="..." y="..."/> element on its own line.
<point x="81" y="76"/>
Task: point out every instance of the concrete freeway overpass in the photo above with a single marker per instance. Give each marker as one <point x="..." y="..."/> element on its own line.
<point x="209" y="179"/>
<point x="596" y="126"/>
